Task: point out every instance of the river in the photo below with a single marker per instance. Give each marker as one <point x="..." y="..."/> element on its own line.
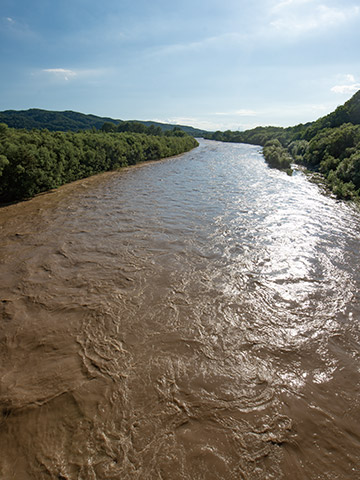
<point x="195" y="318"/>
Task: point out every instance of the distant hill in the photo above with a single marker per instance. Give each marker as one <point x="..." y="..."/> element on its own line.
<point x="73" y="121"/>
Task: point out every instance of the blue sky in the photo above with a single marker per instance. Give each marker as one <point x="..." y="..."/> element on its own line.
<point x="229" y="64"/>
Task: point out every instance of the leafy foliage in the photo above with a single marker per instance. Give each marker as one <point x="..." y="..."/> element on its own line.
<point x="277" y="156"/>
<point x="39" y="160"/>
<point x="335" y="152"/>
<point x="259" y="135"/>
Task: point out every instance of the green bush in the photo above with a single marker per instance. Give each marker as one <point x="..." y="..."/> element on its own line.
<point x="276" y="155"/>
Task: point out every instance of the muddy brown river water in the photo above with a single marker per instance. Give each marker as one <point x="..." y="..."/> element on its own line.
<point x="190" y="319"/>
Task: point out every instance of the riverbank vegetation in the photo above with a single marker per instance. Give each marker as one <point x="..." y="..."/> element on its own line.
<point x="39" y="160"/>
<point x="277" y="156"/>
<point x="330" y="146"/>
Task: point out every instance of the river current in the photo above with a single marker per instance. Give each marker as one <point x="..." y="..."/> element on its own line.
<point x="195" y="318"/>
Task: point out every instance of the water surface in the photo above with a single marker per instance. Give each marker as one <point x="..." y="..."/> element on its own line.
<point x="193" y="319"/>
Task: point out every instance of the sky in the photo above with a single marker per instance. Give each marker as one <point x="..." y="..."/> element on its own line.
<point x="217" y="65"/>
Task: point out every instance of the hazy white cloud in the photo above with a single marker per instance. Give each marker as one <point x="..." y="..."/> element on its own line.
<point x="354" y="87"/>
<point x="238" y="113"/>
<point x="202" y="123"/>
<point x="295" y="17"/>
<point x="289" y="3"/>
<point x="346" y="84"/>
<point x="350" y="78"/>
<point x="67" y="74"/>
<point x="184" y="121"/>
<point x="17" y="29"/>
<point x="290" y="18"/>
<point x="210" y="123"/>
<point x="303" y="108"/>
<point x="214" y="42"/>
<point x="331" y="16"/>
<point x="8" y="22"/>
<point x="245" y="119"/>
<point x="62" y="73"/>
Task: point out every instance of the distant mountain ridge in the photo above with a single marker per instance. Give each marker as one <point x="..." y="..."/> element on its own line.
<point x="74" y="121"/>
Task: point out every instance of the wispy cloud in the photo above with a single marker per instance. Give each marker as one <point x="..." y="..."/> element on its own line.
<point x="17" y="29"/>
<point x="238" y="113"/>
<point x="346" y="88"/>
<point x="213" y="42"/>
<point x="289" y="18"/>
<point x="300" y="16"/>
<point x="347" y="84"/>
<point x="66" y="74"/>
<point x="244" y="119"/>
<point x="193" y="121"/>
<point x="7" y="22"/>
<point x="289" y="3"/>
<point x="208" y="122"/>
<point x="62" y="73"/>
<point x="202" y="123"/>
<point x="350" y="78"/>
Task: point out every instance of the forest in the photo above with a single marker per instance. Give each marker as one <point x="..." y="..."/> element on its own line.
<point x="329" y="146"/>
<point x="39" y="160"/>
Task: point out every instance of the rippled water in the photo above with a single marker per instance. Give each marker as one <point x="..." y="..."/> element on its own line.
<point x="195" y="318"/>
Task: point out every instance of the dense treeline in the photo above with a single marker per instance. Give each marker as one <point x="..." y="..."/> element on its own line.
<point x="258" y="135"/>
<point x="138" y="127"/>
<point x="38" y="160"/>
<point x="75" y="121"/>
<point x="335" y="153"/>
<point x="331" y="146"/>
